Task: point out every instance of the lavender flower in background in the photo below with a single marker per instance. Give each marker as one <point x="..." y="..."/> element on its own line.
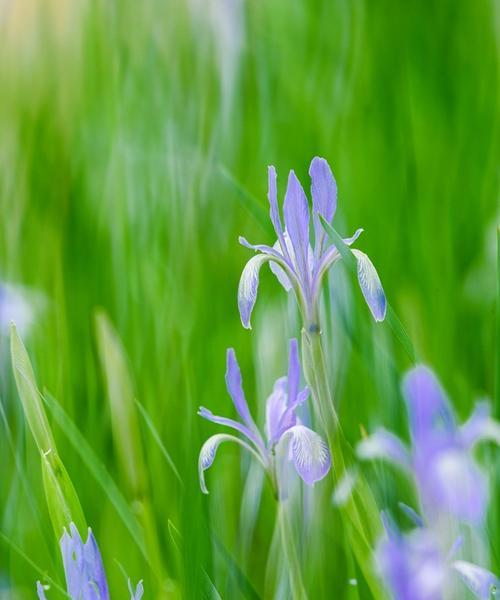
<point x="295" y="262"/>
<point x="447" y="477"/>
<point x="84" y="571"/>
<point x="306" y="449"/>
<point x="15" y="305"/>
<point x="414" y="566"/>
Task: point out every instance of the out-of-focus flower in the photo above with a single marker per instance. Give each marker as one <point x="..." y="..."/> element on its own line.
<point x="84" y="571"/>
<point x="306" y="449"/>
<point x="448" y="478"/>
<point x="293" y="260"/>
<point x="414" y="567"/>
<point x="16" y="306"/>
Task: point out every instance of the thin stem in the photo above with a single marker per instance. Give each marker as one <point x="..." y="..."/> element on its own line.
<point x="290" y="552"/>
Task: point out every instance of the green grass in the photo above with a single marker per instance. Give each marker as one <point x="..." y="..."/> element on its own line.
<point x="132" y="157"/>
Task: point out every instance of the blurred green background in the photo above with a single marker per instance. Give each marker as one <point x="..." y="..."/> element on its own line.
<point x="134" y="141"/>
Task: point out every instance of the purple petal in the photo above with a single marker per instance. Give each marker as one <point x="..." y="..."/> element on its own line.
<point x="412" y="566"/>
<point x="234" y="386"/>
<point x="209" y="416"/>
<point x="293" y="372"/>
<point x="40" y="591"/>
<point x="428" y="406"/>
<point x="324" y="196"/>
<point x="481" y="582"/>
<point x="139" y="590"/>
<point x="85" y="576"/>
<point x="296" y="213"/>
<point x="370" y="285"/>
<point x="309" y="454"/>
<point x="449" y="482"/>
<point x="480" y="426"/>
<point x="281" y="276"/>
<point x="96" y="577"/>
<point x="385" y="445"/>
<point x="274" y="210"/>
<point x="411" y="514"/>
<point x="248" y="286"/>
<point x="276" y="407"/>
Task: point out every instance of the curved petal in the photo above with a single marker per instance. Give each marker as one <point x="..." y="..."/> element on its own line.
<point x="309" y="453"/>
<point x="209" y="416"/>
<point x="278" y="271"/>
<point x="482" y="583"/>
<point x="480" y="426"/>
<point x="324" y="196"/>
<point x="370" y="285"/>
<point x="248" y="287"/>
<point x="209" y="450"/>
<point x="385" y="445"/>
<point x="296" y="213"/>
<point x="272" y="194"/>
<point x="40" y="591"/>
<point x="428" y="407"/>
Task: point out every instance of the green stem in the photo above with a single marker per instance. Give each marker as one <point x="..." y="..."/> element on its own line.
<point x="290" y="551"/>
<point x="359" y="512"/>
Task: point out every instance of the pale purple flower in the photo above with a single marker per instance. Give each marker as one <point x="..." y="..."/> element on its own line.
<point x="83" y="568"/>
<point x="447" y="477"/>
<point x="297" y="264"/>
<point x="414" y="567"/>
<point x="284" y="432"/>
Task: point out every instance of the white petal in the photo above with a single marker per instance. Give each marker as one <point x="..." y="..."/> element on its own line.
<point x="385" y="445"/>
<point x="481" y="582"/>
<point x="248" y="286"/>
<point x="309" y="453"/>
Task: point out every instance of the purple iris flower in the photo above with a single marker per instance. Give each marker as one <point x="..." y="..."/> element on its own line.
<point x="85" y="575"/>
<point x="296" y="263"/>
<point x="414" y="567"/>
<point x="448" y="478"/>
<point x="306" y="449"/>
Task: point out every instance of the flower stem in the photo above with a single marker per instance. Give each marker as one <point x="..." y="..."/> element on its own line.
<point x="359" y="511"/>
<point x="290" y="552"/>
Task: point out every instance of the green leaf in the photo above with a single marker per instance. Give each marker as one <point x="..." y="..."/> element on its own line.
<point x="62" y="500"/>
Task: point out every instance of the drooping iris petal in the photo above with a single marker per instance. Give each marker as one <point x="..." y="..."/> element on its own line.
<point x="234" y="386"/>
<point x="209" y="450"/>
<point x="370" y="285"/>
<point x="480" y="427"/>
<point x="481" y="582"/>
<point x="428" y="408"/>
<point x="385" y="445"/>
<point x="324" y="195"/>
<point x="309" y="453"/>
<point x="248" y="286"/>
<point x="296" y="214"/>
<point x="209" y="416"/>
<point x="40" y="591"/>
<point x="138" y="592"/>
<point x="273" y="252"/>
<point x="293" y="371"/>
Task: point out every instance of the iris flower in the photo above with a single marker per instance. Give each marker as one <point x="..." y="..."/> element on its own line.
<point x="447" y="477"/>
<point x="85" y="576"/>
<point x="306" y="449"/>
<point x="414" y="567"/>
<point x="297" y="263"/>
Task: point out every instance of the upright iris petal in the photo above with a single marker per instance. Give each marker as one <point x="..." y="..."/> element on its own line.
<point x="296" y="213"/>
<point x="324" y="197"/>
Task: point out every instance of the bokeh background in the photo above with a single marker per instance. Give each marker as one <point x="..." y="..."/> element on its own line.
<point x="134" y="142"/>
